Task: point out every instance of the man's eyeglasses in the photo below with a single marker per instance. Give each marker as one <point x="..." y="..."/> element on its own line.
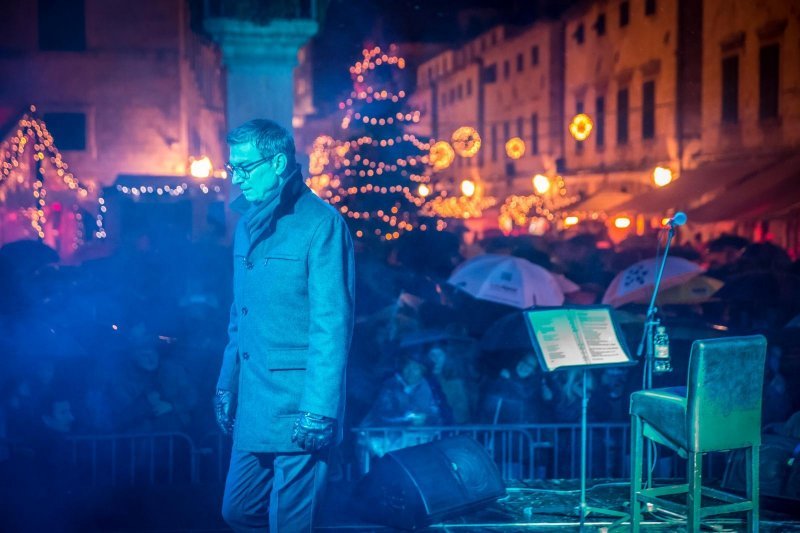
<point x="243" y="171"/>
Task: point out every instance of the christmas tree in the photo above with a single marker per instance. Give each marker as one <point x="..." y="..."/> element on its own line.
<point x="376" y="173"/>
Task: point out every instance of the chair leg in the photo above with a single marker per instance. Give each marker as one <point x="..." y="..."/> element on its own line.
<point x="694" y="474"/>
<point x="752" y="468"/>
<point x="636" y="471"/>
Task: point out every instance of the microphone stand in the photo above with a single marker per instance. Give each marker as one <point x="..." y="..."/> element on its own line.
<point x="646" y="343"/>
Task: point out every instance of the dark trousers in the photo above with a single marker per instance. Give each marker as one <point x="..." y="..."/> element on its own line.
<point x="273" y="492"/>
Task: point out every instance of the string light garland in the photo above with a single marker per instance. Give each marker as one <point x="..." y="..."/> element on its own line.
<point x="463" y="207"/>
<point x="33" y="139"/>
<point x="373" y="176"/>
<point x="545" y="205"/>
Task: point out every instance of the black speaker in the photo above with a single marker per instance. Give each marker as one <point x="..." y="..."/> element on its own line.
<point x="416" y="486"/>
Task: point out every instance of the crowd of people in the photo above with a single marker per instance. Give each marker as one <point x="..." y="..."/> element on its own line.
<point x="132" y="342"/>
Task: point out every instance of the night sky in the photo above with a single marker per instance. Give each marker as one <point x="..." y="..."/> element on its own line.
<point x="350" y="24"/>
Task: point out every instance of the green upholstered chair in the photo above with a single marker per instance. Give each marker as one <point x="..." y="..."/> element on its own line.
<point x="720" y="410"/>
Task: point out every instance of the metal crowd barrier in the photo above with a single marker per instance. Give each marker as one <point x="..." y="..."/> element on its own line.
<point x="521" y="451"/>
<point x="134" y="459"/>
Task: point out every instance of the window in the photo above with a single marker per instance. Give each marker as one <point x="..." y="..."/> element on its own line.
<point x="649" y="7"/>
<point x="600" y="24"/>
<point x="520" y="62"/>
<point x="493" y="142"/>
<point x="506" y="69"/>
<point x="768" y="87"/>
<point x="622" y="116"/>
<point x="490" y="73"/>
<point x="443" y="99"/>
<point x="730" y="90"/>
<point x="68" y="130"/>
<point x="506" y="131"/>
<point x="520" y="127"/>
<point x="648" y="109"/>
<point x="600" y="121"/>
<point x="624" y="14"/>
<point x="469" y="87"/>
<point x="534" y="134"/>
<point x="460" y="91"/>
<point x="534" y="56"/>
<point x="62" y="25"/>
<point x="578" y="34"/>
<point x="452" y="95"/>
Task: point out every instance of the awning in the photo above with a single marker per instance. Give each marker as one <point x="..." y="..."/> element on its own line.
<point x="769" y="193"/>
<point x="604" y="200"/>
<point x="694" y="188"/>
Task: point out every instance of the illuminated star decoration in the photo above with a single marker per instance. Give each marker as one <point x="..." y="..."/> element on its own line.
<point x="581" y="126"/>
<point x="466" y="141"/>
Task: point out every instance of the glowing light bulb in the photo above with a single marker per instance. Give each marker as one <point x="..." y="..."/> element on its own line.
<point x="541" y="183"/>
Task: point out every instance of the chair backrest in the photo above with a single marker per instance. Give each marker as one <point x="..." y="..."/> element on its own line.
<point x="726" y="378"/>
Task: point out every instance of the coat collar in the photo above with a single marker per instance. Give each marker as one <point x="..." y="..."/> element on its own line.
<point x="261" y="217"/>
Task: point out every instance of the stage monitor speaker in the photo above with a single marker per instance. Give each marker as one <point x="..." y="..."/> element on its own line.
<point x="415" y="486"/>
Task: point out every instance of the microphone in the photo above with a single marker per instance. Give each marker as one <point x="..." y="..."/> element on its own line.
<point x="678" y="219"/>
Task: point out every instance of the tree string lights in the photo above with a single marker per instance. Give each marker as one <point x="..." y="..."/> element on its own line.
<point x="32" y="141"/>
<point x="372" y="177"/>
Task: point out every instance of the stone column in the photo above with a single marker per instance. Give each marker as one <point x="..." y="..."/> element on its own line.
<point x="260" y="62"/>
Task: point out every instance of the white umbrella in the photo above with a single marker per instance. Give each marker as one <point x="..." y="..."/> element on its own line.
<point x="507" y="280"/>
<point x="635" y="283"/>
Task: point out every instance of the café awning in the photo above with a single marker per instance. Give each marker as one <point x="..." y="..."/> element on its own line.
<point x="769" y="193"/>
<point x="694" y="188"/>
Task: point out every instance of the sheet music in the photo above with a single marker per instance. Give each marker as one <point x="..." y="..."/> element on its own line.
<point x="576" y="337"/>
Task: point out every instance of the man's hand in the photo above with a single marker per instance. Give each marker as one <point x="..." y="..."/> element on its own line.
<point x="225" y="408"/>
<point x="313" y="432"/>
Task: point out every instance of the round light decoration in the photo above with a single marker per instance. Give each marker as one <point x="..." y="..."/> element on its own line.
<point x="662" y="176"/>
<point x="441" y="155"/>
<point x="466" y="141"/>
<point x="515" y="148"/>
<point x="424" y="190"/>
<point x="581" y="126"/>
<point x="467" y="188"/>
<point x="541" y="183"/>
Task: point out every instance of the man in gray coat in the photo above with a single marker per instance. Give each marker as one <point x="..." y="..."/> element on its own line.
<point x="281" y="389"/>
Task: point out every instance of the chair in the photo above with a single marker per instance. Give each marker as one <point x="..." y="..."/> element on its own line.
<point x="721" y="410"/>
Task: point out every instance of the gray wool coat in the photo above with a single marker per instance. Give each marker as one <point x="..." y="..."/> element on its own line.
<point x="291" y="319"/>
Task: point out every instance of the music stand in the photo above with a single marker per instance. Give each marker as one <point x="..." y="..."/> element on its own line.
<point x="584" y="337"/>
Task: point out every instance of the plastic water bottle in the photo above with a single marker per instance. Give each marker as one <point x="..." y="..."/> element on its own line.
<point x="661" y="359"/>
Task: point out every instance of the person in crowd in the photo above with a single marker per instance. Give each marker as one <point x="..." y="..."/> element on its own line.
<point x="518" y="396"/>
<point x="148" y="393"/>
<point x="281" y="388"/>
<point x="407" y="398"/>
<point x="452" y="358"/>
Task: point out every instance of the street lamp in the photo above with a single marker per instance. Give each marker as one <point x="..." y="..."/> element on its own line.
<point x="467" y="188"/>
<point x="541" y="183"/>
<point x="662" y="176"/>
<point x="201" y="168"/>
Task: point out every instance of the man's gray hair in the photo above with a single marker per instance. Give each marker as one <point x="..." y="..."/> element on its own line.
<point x="267" y="136"/>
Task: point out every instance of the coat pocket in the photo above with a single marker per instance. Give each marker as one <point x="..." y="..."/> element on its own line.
<point x="287" y="359"/>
